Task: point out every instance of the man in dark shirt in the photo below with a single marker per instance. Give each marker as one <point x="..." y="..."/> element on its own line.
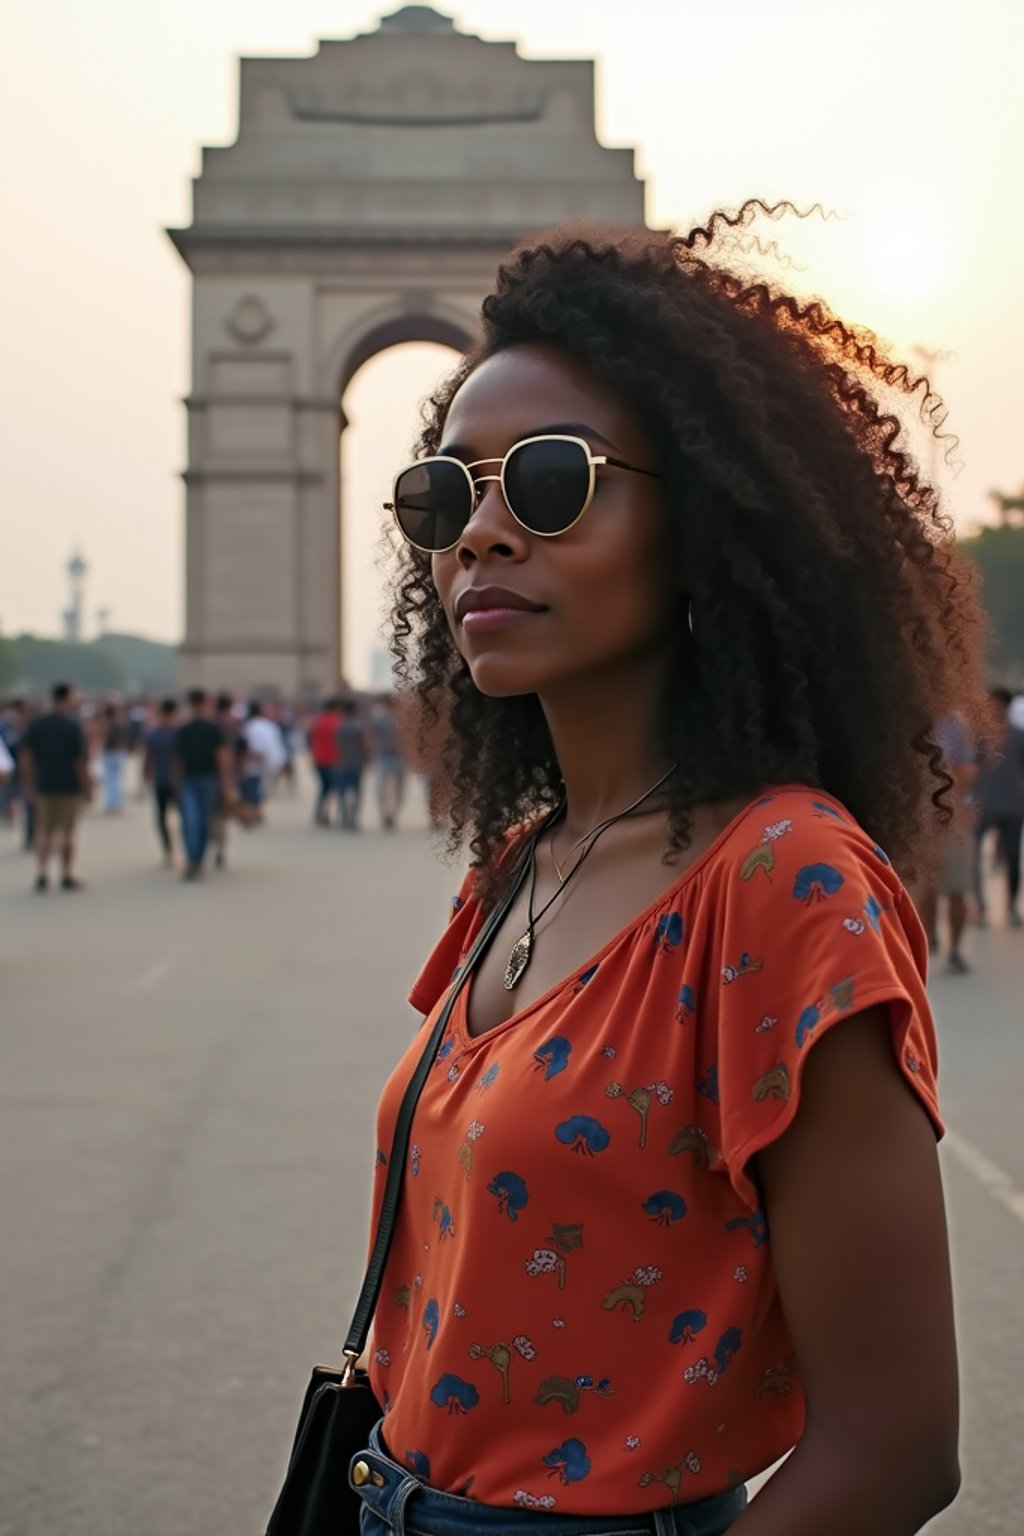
<point x="158" y="771"/>
<point x="203" y="769"/>
<point x="351" y="739"/>
<point x="54" y="764"/>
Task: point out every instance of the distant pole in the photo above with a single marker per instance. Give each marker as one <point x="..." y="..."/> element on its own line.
<point x="77" y="571"/>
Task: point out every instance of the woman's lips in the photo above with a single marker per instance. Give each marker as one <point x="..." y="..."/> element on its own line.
<point x="480" y="621"/>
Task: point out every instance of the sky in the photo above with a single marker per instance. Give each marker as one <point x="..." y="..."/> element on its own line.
<point x="904" y="117"/>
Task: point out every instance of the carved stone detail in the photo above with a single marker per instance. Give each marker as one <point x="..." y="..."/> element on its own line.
<point x="250" y="322"/>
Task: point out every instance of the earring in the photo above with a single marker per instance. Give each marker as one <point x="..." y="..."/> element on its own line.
<point x="689" y="614"/>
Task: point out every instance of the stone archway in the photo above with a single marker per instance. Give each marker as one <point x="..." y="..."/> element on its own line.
<point x="375" y="439"/>
<point x="371" y="190"/>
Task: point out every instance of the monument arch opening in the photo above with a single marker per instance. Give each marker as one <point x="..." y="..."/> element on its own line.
<point x="366" y="201"/>
<point x="381" y="407"/>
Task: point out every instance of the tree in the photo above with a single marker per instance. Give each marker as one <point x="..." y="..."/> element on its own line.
<point x="999" y="555"/>
<point x="41" y="663"/>
<point x="10" y="672"/>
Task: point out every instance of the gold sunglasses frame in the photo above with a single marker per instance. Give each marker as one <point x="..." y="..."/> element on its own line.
<point x="594" y="462"/>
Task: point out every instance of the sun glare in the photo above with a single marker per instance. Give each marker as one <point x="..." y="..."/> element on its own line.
<point x="908" y="263"/>
<point x="905" y="242"/>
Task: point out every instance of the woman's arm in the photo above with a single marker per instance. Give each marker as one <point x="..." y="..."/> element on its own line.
<point x="854" y="1202"/>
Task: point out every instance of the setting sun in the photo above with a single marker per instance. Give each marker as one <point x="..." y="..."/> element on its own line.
<point x="907" y="250"/>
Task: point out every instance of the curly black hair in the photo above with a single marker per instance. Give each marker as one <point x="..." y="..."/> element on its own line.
<point x="834" y="622"/>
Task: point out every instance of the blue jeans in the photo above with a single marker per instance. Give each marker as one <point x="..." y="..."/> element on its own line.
<point x="402" y="1504"/>
<point x="197" y="801"/>
<point x="348" y="784"/>
<point x="252" y="789"/>
<point x="113" y="780"/>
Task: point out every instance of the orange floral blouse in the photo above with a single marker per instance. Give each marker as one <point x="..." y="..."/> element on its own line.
<point x="580" y="1311"/>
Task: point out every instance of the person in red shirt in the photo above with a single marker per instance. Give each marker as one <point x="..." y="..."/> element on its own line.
<point x="688" y="616"/>
<point x="323" y="748"/>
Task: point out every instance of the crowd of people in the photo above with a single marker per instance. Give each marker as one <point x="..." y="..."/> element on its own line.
<point x="204" y="761"/>
<point x="989" y="785"/>
<point x="213" y="759"/>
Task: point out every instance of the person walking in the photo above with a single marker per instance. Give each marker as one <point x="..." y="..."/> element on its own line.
<point x="999" y="795"/>
<point x="9" y="738"/>
<point x="6" y="775"/>
<point x="954" y="878"/>
<point x="226" y="717"/>
<point x="159" y="745"/>
<point x="262" y="758"/>
<point x="20" y="718"/>
<point x="287" y="723"/>
<point x="55" y="778"/>
<point x="140" y="718"/>
<point x="681" y="1123"/>
<point x="323" y="749"/>
<point x="116" y="740"/>
<point x="388" y="761"/>
<point x="204" y="770"/>
<point x="13" y="724"/>
<point x="352" y="754"/>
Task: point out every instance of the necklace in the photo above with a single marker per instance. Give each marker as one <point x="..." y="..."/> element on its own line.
<point x="602" y="826"/>
<point x="521" y="952"/>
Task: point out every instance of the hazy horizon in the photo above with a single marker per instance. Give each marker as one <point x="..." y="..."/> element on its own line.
<point x="902" y="117"/>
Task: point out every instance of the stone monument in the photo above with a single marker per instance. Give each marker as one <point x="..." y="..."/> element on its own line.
<point x="366" y="201"/>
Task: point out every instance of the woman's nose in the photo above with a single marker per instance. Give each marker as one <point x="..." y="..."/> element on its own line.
<point x="491" y="529"/>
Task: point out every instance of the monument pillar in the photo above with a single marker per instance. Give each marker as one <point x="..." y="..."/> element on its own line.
<point x="369" y="195"/>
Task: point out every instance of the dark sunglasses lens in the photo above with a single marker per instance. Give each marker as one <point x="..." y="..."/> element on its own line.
<point x="433" y="503"/>
<point x="546" y="483"/>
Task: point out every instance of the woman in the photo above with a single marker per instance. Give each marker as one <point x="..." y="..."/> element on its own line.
<point x="116" y="745"/>
<point x="673" y="1203"/>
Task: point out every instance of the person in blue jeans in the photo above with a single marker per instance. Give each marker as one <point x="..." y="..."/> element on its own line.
<point x="352" y="754"/>
<point x="398" y="1502"/>
<point x="158" y="771"/>
<point x="203" y="772"/>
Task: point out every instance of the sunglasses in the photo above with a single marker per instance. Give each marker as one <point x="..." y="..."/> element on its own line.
<point x="548" y="483"/>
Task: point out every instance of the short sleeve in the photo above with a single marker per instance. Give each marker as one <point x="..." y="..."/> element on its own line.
<point x="437" y="974"/>
<point x="816" y="927"/>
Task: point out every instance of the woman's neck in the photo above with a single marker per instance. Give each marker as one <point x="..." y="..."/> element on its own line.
<point x="606" y="739"/>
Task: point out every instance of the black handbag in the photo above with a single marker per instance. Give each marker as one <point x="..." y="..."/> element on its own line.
<point x="339" y="1408"/>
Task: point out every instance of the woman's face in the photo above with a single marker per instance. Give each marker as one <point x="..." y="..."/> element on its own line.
<point x="605" y="591"/>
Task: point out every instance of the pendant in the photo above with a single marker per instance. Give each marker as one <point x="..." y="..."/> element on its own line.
<point x="518" y="960"/>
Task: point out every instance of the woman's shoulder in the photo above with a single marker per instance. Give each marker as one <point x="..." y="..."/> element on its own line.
<point x="795" y="874"/>
<point x="793" y="825"/>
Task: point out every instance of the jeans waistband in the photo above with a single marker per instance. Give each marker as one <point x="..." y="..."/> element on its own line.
<point x="404" y="1504"/>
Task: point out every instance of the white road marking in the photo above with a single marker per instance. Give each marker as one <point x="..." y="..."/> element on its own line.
<point x="152" y="976"/>
<point x="988" y="1174"/>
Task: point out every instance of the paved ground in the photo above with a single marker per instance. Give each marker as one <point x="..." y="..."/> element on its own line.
<point x="187" y="1082"/>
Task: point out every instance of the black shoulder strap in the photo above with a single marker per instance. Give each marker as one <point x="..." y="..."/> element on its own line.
<point x="355" y="1341"/>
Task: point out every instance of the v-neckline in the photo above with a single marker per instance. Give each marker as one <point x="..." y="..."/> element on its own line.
<point x="460" y="1013"/>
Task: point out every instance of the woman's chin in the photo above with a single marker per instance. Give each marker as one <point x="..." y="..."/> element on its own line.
<point x="501" y="677"/>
